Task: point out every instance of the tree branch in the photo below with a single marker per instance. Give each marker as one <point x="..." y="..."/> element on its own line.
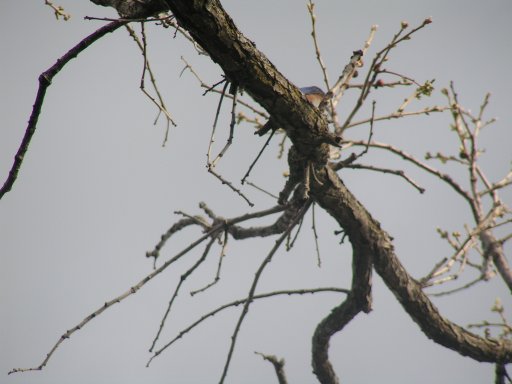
<point x="45" y="80"/>
<point x="365" y="231"/>
<point x="307" y="129"/>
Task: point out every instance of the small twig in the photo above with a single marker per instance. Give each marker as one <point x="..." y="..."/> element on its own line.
<point x="406" y="78"/>
<point x="250" y="296"/>
<point x="116" y="300"/>
<point x="231" y="130"/>
<point x="399" y="115"/>
<point x="461" y="251"/>
<point x="404" y="155"/>
<point x="145" y="20"/>
<point x="311" y="10"/>
<point x="210" y="88"/>
<point x="382" y="84"/>
<point x="335" y="94"/>
<point x="171" y="22"/>
<point x="217" y="113"/>
<point x="189" y="220"/>
<point x="213" y="231"/>
<point x="281" y="147"/>
<point x="349" y="71"/>
<point x="258" y="156"/>
<point x="210" y="164"/>
<point x="278" y="366"/>
<point x="176" y="291"/>
<point x="370" y="133"/>
<point x="261" y="189"/>
<point x="231" y="186"/>
<point x="58" y="11"/>
<point x="219" y="267"/>
<point x="396" y="172"/>
<point x="160" y="104"/>
<point x="466" y="286"/>
<point x="433" y="272"/>
<point x="376" y="64"/>
<point x="315" y="234"/>
<point x="291" y="242"/>
<point x="237" y="303"/>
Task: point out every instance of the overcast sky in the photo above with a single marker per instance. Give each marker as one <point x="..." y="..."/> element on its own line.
<point x="97" y="189"/>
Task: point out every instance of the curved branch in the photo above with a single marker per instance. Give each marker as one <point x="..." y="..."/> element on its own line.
<point x="236" y="303"/>
<point x="408" y="157"/>
<point x="350" y="215"/>
<point x="337" y="200"/>
<point x="108" y="304"/>
<point x="45" y="79"/>
<point x="242" y="63"/>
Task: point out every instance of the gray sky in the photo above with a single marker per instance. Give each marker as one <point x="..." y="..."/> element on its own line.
<point x="97" y="190"/>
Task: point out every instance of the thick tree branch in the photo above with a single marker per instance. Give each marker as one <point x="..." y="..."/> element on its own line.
<point x="362" y="229"/>
<point x="242" y="63"/>
<point x="248" y="69"/>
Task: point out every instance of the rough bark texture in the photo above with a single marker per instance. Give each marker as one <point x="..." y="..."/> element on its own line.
<point x="249" y="69"/>
<point x="243" y="64"/>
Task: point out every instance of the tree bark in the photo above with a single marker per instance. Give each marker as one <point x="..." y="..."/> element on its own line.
<point x="243" y="64"/>
<point x="249" y="69"/>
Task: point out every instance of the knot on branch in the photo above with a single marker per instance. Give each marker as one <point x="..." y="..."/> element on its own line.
<point x="303" y="168"/>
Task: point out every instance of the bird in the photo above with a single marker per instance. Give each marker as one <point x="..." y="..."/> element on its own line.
<point x="313" y="94"/>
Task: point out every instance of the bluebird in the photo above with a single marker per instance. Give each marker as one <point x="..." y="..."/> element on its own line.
<point x="313" y="94"/>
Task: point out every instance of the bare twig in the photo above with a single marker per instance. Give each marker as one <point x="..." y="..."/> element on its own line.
<point x="45" y="79"/>
<point x="211" y="163"/>
<point x="399" y="115"/>
<point x="237" y="303"/>
<point x="176" y="291"/>
<point x="278" y="366"/>
<point x="404" y="155"/>
<point x="250" y="296"/>
<point x="396" y="172"/>
<point x="160" y="104"/>
<point x="258" y="156"/>
<point x="231" y="186"/>
<point x="315" y="234"/>
<point x="132" y="290"/>
<point x="311" y="10"/>
<point x="214" y="127"/>
<point x="211" y="89"/>
<point x="212" y="231"/>
<point x="376" y="64"/>
<point x="219" y="266"/>
<point x="370" y="133"/>
<point x="229" y="141"/>
<point x="290" y="242"/>
<point x="458" y="289"/>
<point x="58" y="11"/>
<point x="261" y="189"/>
